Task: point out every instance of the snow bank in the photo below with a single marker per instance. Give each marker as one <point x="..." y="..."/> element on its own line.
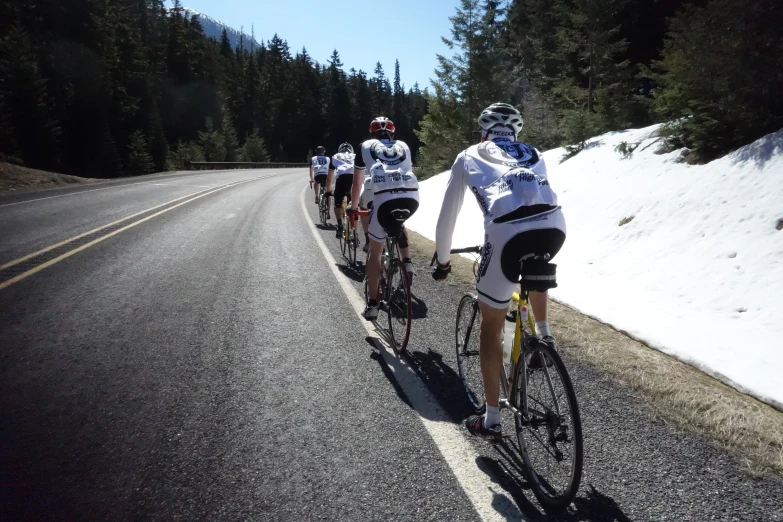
<point x="697" y="272"/>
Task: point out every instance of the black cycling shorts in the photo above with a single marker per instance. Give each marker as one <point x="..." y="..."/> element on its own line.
<point x="342" y="189"/>
<point x="320" y="179"/>
<point x="389" y="216"/>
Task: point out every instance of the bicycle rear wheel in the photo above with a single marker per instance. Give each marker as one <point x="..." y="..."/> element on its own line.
<point x="399" y="306"/>
<point x="550" y="439"/>
<point x="468" y="321"/>
<point x="322" y="209"/>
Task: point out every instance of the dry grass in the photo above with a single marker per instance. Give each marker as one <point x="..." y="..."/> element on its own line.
<point x="14" y="177"/>
<point x="679" y="393"/>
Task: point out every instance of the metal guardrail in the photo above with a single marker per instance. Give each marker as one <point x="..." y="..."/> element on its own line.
<point x="227" y="165"/>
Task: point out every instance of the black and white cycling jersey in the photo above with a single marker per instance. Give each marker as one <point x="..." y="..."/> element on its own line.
<point x="388" y="168"/>
<point x="320" y="165"/>
<point x="342" y="163"/>
<point x="504" y="177"/>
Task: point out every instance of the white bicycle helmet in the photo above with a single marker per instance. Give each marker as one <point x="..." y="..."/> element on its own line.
<point x="500" y="115"/>
<point x="345" y="147"/>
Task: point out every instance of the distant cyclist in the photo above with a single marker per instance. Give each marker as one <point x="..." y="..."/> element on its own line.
<point x="395" y="193"/>
<point x="521" y="216"/>
<point x="341" y="167"/>
<point x="319" y="169"/>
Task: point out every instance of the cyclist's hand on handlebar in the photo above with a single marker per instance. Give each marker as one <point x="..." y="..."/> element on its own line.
<point x="440" y="272"/>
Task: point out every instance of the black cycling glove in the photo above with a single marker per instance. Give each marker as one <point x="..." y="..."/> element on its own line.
<point x="440" y="272"/>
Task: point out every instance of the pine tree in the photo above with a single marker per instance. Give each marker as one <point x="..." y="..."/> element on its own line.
<point x="254" y="148"/>
<point x="465" y="83"/>
<point x="722" y="74"/>
<point x="139" y="159"/>
<point x="211" y="142"/>
<point x="229" y="136"/>
<point x="24" y="95"/>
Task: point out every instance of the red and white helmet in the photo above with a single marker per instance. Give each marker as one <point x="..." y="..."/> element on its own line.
<point x="380" y="124"/>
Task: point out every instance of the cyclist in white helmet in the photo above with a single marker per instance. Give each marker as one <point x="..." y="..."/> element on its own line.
<point x="395" y="198"/>
<point x="521" y="216"/>
<point x="341" y="168"/>
<point x="319" y="170"/>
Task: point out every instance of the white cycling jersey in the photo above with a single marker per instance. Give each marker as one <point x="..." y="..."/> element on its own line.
<point x="503" y="176"/>
<point x="320" y="165"/>
<point x="389" y="168"/>
<point x="342" y="163"/>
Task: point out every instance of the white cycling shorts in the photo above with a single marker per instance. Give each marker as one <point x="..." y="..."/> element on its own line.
<point x="494" y="288"/>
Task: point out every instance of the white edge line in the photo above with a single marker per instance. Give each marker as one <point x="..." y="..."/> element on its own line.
<point x="459" y="455"/>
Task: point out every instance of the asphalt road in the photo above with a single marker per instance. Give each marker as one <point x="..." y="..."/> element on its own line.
<point x="198" y="359"/>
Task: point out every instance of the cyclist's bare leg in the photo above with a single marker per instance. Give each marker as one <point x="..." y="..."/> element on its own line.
<point x="316" y="188"/>
<point x="374" y="268"/>
<point x="539" y="302"/>
<point x="338" y="211"/>
<point x="365" y="223"/>
<point x="491" y="350"/>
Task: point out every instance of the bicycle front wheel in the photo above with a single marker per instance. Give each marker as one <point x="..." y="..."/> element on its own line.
<point x="468" y="321"/>
<point x="399" y="306"/>
<point x="354" y="239"/>
<point x="344" y="243"/>
<point x="550" y="438"/>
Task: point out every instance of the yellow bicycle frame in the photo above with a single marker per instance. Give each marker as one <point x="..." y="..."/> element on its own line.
<point x="518" y="335"/>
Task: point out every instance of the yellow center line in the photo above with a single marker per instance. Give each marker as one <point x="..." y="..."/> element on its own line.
<point x="74" y="238"/>
<point x="35" y="270"/>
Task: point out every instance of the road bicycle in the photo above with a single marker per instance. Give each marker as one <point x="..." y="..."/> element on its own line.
<point x="349" y="239"/>
<point x="535" y="388"/>
<point x="394" y="292"/>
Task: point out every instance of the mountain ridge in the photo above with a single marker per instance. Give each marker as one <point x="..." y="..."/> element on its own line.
<point x="213" y="28"/>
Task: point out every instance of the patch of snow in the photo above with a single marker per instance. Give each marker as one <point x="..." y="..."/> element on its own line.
<point x="697" y="273"/>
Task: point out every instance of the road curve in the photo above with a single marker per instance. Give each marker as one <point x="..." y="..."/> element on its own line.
<point x="198" y="359"/>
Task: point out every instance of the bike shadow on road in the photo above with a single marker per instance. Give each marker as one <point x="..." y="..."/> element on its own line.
<point x="507" y="471"/>
<point x="321" y="226"/>
<point x="442" y="382"/>
<point x="353" y="272"/>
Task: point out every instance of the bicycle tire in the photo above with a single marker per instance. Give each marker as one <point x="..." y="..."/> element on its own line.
<point x="343" y="244"/>
<point x="467" y="346"/>
<point x="553" y="427"/>
<point x="322" y="209"/>
<point x="399" y="306"/>
<point x="354" y="239"/>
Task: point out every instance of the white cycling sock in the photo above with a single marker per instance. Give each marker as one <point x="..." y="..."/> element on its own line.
<point x="492" y="416"/>
<point x="543" y="329"/>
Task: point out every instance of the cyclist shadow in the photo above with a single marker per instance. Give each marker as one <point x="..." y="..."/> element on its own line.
<point x="321" y="226"/>
<point x="442" y="381"/>
<point x="354" y="273"/>
<point x="418" y="307"/>
<point x="507" y="471"/>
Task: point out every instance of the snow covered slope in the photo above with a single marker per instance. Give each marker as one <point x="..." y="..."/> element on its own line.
<point x="214" y="29"/>
<point x="697" y="272"/>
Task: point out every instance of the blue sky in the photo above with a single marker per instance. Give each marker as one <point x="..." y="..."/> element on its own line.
<point x="362" y="31"/>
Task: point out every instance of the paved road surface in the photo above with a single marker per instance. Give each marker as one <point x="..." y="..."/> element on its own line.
<point x="197" y="358"/>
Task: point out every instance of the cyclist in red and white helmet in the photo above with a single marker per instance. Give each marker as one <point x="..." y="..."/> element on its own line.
<point x="521" y="216"/>
<point x="384" y="167"/>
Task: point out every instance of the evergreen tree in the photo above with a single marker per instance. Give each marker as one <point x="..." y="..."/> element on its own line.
<point x="722" y="74"/>
<point x="465" y="83"/>
<point x="23" y="93"/>
<point x="254" y="148"/>
<point x="139" y="159"/>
